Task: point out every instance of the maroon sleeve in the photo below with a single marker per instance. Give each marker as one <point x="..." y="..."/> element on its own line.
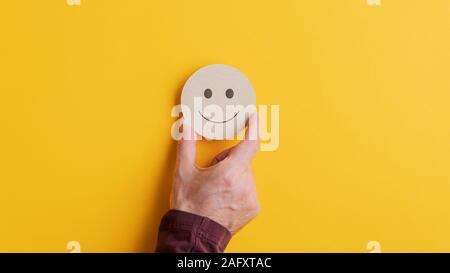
<point x="185" y="232"/>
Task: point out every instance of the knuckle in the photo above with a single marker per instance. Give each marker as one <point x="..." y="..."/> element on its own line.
<point x="254" y="208"/>
<point x="228" y="180"/>
<point x="178" y="173"/>
<point x="181" y="173"/>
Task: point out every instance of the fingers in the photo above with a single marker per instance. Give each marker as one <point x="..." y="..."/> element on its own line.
<point x="248" y="147"/>
<point x="186" y="148"/>
<point x="252" y="132"/>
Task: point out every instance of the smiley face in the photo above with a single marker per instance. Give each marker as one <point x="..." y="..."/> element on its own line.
<point x="217" y="101"/>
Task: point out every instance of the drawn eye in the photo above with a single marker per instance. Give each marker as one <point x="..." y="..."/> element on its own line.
<point x="229" y="93"/>
<point x="207" y="93"/>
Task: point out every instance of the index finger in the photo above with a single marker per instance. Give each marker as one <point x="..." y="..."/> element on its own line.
<point x="244" y="151"/>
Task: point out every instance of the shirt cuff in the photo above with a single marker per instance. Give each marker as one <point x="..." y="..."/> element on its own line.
<point x="182" y="231"/>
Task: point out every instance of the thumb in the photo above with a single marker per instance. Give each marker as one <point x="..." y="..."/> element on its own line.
<point x="186" y="147"/>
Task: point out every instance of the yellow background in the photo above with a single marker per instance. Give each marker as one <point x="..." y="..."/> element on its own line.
<point x="364" y="95"/>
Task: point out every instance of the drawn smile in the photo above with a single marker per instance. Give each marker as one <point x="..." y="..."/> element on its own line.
<point x="218" y="121"/>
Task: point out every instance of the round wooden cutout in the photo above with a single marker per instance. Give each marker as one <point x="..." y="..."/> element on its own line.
<point x="217" y="101"/>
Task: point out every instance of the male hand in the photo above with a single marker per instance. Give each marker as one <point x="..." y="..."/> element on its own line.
<point x="225" y="192"/>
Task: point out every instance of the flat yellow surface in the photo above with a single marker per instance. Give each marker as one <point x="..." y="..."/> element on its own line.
<point x="364" y="95"/>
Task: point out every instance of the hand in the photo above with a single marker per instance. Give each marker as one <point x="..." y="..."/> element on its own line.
<point x="225" y="191"/>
